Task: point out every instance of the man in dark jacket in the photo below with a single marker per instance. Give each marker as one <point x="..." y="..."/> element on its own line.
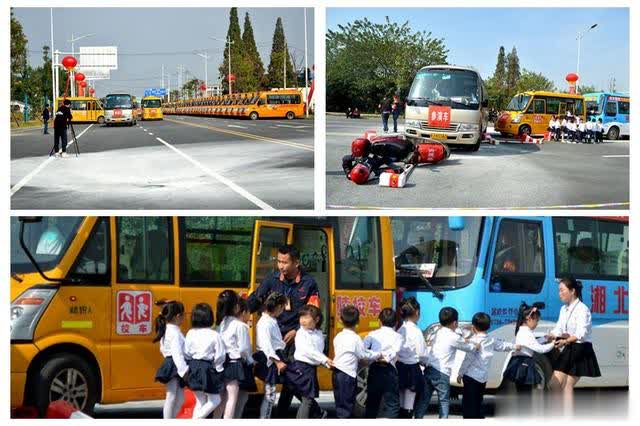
<point x="385" y="110"/>
<point x="60" y="122"/>
<point x="46" y="115"/>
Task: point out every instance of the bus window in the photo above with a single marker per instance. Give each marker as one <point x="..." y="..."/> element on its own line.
<point x="47" y="240"/>
<point x="587" y="247"/>
<point x="78" y="105"/>
<point x="358" y="253"/>
<point x="93" y="262"/>
<point x="553" y="105"/>
<point x="538" y="106"/>
<point x="429" y="241"/>
<point x="271" y="238"/>
<point x="144" y="249"/>
<point x="611" y="109"/>
<point x="216" y="251"/>
<point x="519" y="257"/>
<point x="623" y="107"/>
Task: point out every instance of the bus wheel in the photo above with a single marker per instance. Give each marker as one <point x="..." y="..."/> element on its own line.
<point x="101" y="120"/>
<point x="613" y="133"/>
<point x="361" y="393"/>
<point x="253" y="115"/>
<point x="524" y="130"/>
<point x="68" y="377"/>
<point x="290" y="115"/>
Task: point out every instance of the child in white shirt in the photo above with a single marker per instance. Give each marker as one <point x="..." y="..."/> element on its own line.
<point x="206" y="354"/>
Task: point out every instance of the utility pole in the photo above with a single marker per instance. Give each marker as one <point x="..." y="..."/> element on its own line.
<point x="306" y="67"/>
<point x="229" y="42"/>
<point x="206" y="77"/>
<point x="284" y="64"/>
<point x="169" y="87"/>
<point x="579" y="38"/>
<point x="53" y="69"/>
<point x="73" y="53"/>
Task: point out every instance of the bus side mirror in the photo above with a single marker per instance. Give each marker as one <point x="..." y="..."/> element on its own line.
<point x="456" y="223"/>
<point x="30" y="219"/>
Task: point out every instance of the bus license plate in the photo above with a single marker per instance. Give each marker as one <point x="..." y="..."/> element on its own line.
<point x="439" y="136"/>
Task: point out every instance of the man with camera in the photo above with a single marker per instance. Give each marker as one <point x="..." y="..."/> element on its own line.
<point x="61" y="120"/>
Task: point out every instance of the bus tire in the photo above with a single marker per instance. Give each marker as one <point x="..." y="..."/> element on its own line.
<point x="101" y="120"/>
<point x="253" y="115"/>
<point x="361" y="393"/>
<point x="70" y="377"/>
<point x="524" y="130"/>
<point x="613" y="134"/>
<point x="290" y="115"/>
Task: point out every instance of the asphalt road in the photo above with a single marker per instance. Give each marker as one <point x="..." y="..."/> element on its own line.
<point x="505" y="176"/>
<point x="178" y="163"/>
<point x="591" y="403"/>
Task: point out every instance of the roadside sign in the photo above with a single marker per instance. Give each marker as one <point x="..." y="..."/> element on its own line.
<point x="133" y="312"/>
<point x="155" y="91"/>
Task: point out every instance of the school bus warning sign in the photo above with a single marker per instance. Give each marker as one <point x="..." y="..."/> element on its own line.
<point x="133" y="315"/>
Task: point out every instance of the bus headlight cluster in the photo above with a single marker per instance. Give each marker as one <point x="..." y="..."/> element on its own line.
<point x="412" y="123"/>
<point x="26" y="311"/>
<point x="468" y="127"/>
<point x="517" y="119"/>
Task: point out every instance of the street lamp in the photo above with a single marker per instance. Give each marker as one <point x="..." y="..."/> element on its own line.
<point x="229" y="42"/>
<point x="206" y="58"/>
<point x="72" y="41"/>
<point x="579" y="38"/>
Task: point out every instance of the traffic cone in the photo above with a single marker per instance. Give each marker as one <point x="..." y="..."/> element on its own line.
<point x="186" y="412"/>
<point x="62" y="409"/>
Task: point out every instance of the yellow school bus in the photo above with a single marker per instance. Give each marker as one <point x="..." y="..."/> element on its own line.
<point x="151" y="108"/>
<point x="277" y="103"/>
<point x="85" y="109"/>
<point x="83" y="291"/>
<point x="530" y="112"/>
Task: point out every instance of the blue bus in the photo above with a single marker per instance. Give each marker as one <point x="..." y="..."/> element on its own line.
<point x="492" y="264"/>
<point x="613" y="109"/>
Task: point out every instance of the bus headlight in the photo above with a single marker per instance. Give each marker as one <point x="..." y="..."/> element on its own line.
<point x="26" y="311"/>
<point x="412" y="123"/>
<point x="468" y="127"/>
<point x="516" y="119"/>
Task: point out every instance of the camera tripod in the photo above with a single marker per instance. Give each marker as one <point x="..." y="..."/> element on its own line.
<point x="74" y="141"/>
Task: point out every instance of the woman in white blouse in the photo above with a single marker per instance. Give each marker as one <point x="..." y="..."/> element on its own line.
<point x="573" y="356"/>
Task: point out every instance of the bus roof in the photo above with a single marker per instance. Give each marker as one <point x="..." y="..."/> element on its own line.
<point x="593" y="94"/>
<point x="555" y="94"/>
<point x="78" y="98"/>
<point x="152" y="97"/>
<point x="451" y="67"/>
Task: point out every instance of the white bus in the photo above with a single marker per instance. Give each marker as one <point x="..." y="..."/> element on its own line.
<point x="119" y="109"/>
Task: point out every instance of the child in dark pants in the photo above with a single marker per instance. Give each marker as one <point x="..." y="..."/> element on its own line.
<point x="474" y="371"/>
<point x="383" y="393"/>
<point x="349" y="350"/>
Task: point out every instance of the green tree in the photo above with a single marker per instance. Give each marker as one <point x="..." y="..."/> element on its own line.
<point x="279" y="59"/>
<point x="191" y="87"/>
<point x="589" y="88"/>
<point x="233" y="35"/>
<point x="500" y="74"/>
<point x="252" y="55"/>
<point x="531" y="81"/>
<point x="513" y="71"/>
<point x="18" y="67"/>
<point x="368" y="61"/>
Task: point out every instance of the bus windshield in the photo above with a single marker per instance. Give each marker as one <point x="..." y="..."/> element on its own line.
<point x="151" y="103"/>
<point x="118" y="101"/>
<point x="518" y="103"/>
<point x="47" y="241"/>
<point x="458" y="89"/>
<point x="594" y="105"/>
<point x="446" y="257"/>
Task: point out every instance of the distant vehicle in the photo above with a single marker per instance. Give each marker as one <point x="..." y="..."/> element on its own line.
<point x="151" y="108"/>
<point x="85" y="109"/>
<point x="120" y="109"/>
<point x="447" y="103"/>
<point x="530" y="112"/>
<point x="277" y="103"/>
<point x="612" y="109"/>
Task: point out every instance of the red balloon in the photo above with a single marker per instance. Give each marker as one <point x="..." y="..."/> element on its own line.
<point x="69" y="62"/>
<point x="232" y="77"/>
<point x="79" y="76"/>
<point x="572" y="77"/>
<point x="92" y="90"/>
<point x="83" y="84"/>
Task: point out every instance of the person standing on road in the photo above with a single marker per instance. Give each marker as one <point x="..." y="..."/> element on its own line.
<point x="46" y="115"/>
<point x="385" y="110"/>
<point x="599" y="130"/>
<point x="582" y="131"/>
<point x="60" y="123"/>
<point x="395" y="112"/>
<point x="573" y="356"/>
<point x="300" y="289"/>
<point x="589" y="127"/>
<point x="563" y="127"/>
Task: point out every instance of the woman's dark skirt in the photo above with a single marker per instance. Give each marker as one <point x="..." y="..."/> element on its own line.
<point x="269" y="375"/>
<point x="410" y="376"/>
<point x="204" y="377"/>
<point x="576" y="359"/>
<point x="168" y="371"/>
<point x="522" y="370"/>
<point x="302" y="378"/>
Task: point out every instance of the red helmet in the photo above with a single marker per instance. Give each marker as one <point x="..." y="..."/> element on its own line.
<point x="360" y="174"/>
<point x="360" y="147"/>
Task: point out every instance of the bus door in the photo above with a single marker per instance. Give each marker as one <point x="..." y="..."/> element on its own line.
<point x="517" y="269"/>
<point x="144" y="265"/>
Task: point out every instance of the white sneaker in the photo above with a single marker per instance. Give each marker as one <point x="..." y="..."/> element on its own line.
<point x="64" y="155"/>
<point x="56" y="155"/>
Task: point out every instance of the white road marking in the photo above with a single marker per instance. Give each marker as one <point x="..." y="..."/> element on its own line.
<point x="236" y="126"/>
<point x="238" y="189"/>
<point x="151" y="133"/>
<point x="18" y="186"/>
<point x="292" y="127"/>
<point x="616" y="156"/>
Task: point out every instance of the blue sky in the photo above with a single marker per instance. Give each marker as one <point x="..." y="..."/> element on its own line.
<point x="545" y="38"/>
<point x="138" y="30"/>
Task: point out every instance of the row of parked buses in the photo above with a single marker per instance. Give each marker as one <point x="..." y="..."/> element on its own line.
<point x="114" y="109"/>
<point x="280" y="103"/>
<point x="83" y="289"/>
